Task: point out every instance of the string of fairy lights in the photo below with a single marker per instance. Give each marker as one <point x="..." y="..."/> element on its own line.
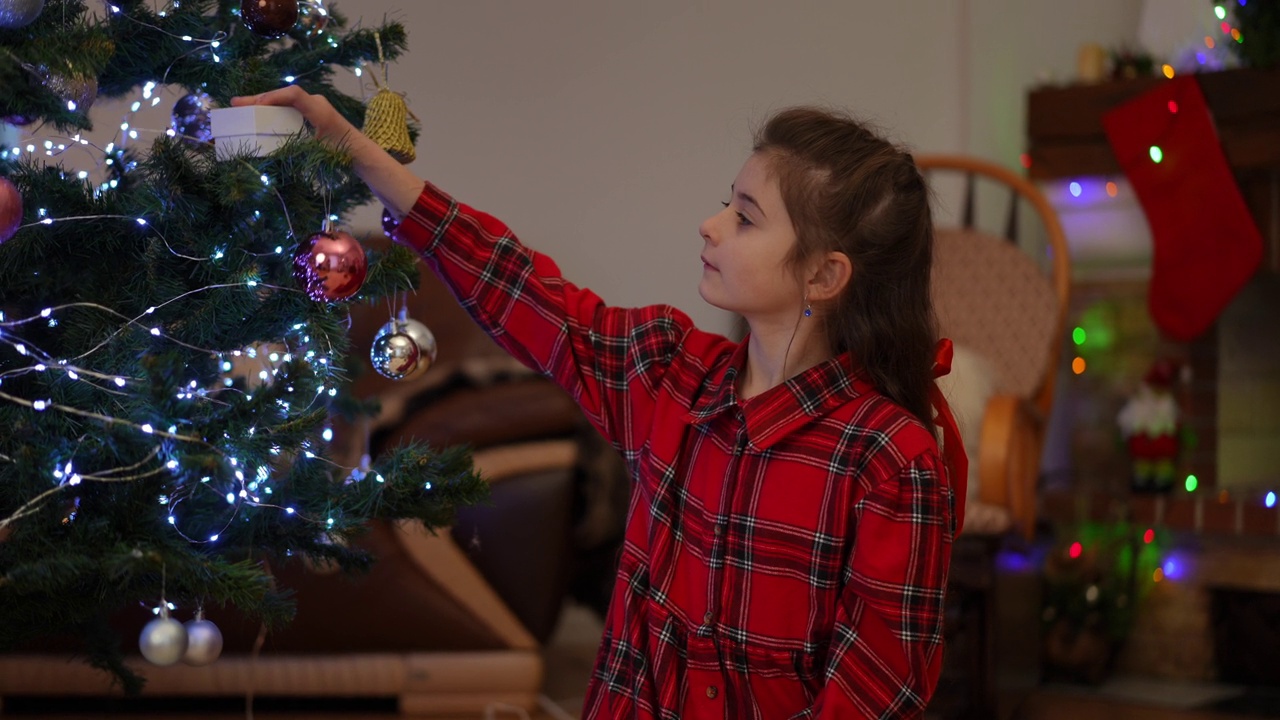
<point x="251" y="485"/>
<point x="1144" y="547"/>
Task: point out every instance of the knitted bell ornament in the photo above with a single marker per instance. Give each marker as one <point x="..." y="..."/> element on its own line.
<point x="386" y="118"/>
<point x="386" y="122"/>
<point x="1207" y="245"/>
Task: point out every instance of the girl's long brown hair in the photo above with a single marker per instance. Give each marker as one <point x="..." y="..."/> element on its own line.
<point x="849" y="190"/>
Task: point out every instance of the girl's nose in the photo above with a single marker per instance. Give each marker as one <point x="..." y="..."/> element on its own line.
<point x="707" y="232"/>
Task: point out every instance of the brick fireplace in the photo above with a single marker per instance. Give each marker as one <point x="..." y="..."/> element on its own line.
<point x="1227" y="539"/>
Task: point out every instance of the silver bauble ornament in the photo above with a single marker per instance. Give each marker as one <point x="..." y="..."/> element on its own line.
<point x="312" y="18"/>
<point x="204" y="642"/>
<point x="78" y="91"/>
<point x="163" y="640"/>
<point x="421" y="336"/>
<point x="19" y="13"/>
<point x="190" y="118"/>
<point x="394" y="354"/>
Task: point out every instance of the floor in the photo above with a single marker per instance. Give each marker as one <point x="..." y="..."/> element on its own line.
<point x="570" y="653"/>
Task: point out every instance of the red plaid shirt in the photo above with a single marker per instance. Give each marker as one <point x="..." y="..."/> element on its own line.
<point x="785" y="556"/>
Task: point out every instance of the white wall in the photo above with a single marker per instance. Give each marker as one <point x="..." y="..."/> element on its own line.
<point x="1015" y="45"/>
<point x="604" y="132"/>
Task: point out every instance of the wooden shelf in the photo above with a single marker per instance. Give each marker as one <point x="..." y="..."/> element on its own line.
<point x="1064" y="124"/>
<point x="1066" y="138"/>
<point x="1202" y="514"/>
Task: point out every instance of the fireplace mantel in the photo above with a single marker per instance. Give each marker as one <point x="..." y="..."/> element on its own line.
<point x="1066" y="138"/>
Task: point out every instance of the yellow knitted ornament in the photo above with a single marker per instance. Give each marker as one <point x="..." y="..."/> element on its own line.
<point x="386" y="122"/>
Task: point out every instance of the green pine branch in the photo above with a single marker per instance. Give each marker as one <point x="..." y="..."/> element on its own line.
<point x="144" y="447"/>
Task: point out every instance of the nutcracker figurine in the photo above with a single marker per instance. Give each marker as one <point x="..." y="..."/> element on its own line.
<point x="1151" y="427"/>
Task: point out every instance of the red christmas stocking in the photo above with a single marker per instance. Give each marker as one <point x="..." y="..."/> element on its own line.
<point x="1207" y="245"/>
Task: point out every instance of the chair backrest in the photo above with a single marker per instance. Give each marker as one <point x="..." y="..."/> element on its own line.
<point x="994" y="297"/>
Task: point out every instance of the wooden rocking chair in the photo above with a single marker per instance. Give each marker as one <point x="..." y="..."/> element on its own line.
<point x="1004" y="303"/>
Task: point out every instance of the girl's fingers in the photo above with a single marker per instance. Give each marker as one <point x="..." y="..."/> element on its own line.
<point x="291" y="95"/>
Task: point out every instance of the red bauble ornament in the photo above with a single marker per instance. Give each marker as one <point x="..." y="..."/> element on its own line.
<point x="10" y="209"/>
<point x="269" y="18"/>
<point x="330" y="265"/>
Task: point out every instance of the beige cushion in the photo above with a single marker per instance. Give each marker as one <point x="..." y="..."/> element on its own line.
<point x="967" y="388"/>
<point x="991" y="297"/>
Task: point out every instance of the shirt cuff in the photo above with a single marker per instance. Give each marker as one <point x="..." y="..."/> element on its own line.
<point x="427" y="221"/>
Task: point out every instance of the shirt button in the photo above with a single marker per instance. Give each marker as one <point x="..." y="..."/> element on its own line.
<point x="712" y="692"/>
<point x="708" y="617"/>
<point x="718" y="530"/>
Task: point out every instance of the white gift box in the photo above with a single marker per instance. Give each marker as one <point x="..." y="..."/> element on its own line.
<point x="252" y="129"/>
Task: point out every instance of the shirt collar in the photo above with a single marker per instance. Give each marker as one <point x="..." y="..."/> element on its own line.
<point x="775" y="413"/>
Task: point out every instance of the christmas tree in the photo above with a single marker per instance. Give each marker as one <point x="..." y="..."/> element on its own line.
<point x="140" y="463"/>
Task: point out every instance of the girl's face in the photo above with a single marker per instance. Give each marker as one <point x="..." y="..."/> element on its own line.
<point x="745" y="247"/>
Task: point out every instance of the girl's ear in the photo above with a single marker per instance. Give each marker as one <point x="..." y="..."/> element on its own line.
<point x="829" y="277"/>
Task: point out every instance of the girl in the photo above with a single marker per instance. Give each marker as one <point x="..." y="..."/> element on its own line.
<point x="790" y="527"/>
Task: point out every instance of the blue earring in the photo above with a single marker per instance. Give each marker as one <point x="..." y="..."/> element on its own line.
<point x="808" y="311"/>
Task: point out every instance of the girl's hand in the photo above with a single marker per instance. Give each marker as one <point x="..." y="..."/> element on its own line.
<point x="394" y="184"/>
<point x="328" y="122"/>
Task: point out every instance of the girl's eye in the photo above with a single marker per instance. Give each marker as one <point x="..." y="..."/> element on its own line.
<point x="742" y="219"/>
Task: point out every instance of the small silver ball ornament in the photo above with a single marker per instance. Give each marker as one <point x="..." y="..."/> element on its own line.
<point x="394" y="355"/>
<point x="19" y="13"/>
<point x="163" y="640"/>
<point x="421" y="336"/>
<point x="425" y="340"/>
<point x="312" y="18"/>
<point x="190" y="118"/>
<point x="204" y="642"/>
